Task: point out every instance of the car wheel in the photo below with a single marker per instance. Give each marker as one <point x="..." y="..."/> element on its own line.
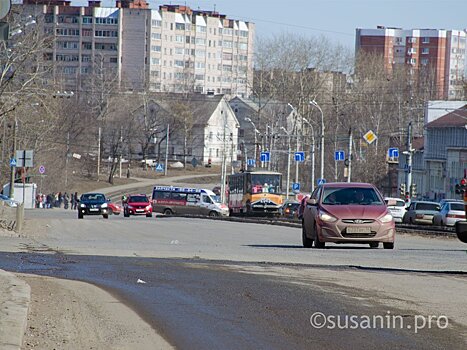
<point x="388" y="245"/>
<point x="213" y="214"/>
<point x="307" y="243"/>
<point x="105" y="216"/>
<point x="168" y="212"/>
<point x="374" y="244"/>
<point x="318" y="243"/>
<point x="149" y="215"/>
<point x="80" y="215"/>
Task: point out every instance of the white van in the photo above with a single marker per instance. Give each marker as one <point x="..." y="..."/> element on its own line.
<point x="179" y="200"/>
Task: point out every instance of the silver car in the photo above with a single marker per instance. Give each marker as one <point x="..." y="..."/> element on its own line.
<point x="450" y="213"/>
<point x="421" y="212"/>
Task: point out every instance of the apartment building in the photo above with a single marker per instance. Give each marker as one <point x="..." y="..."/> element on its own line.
<point x="437" y="53"/>
<point x="170" y="49"/>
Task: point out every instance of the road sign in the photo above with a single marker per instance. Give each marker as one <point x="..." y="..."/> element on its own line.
<point x="321" y="182"/>
<point x="393" y="152"/>
<point x="42" y="169"/>
<point x="12" y="162"/>
<point x="299" y="156"/>
<point x="370" y="137"/>
<point x="339" y="155"/>
<point x="159" y="167"/>
<point x="265" y="157"/>
<point x="296" y="186"/>
<point x="24" y="158"/>
<point x="251" y="162"/>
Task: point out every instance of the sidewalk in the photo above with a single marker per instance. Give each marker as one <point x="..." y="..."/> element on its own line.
<point x="15" y="296"/>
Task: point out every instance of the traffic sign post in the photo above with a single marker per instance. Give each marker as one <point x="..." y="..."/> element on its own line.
<point x="339" y="155"/>
<point x="370" y="137"/>
<point x="265" y="157"/>
<point x="42" y="169"/>
<point x="251" y="162"/>
<point x="296" y="187"/>
<point x="299" y="157"/>
<point x="393" y="155"/>
<point x="12" y="162"/>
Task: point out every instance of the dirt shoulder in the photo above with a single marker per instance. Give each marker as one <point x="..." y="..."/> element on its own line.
<point x="67" y="314"/>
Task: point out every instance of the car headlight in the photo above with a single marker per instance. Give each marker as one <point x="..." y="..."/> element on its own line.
<point x="148" y="207"/>
<point x="82" y="205"/>
<point x="326" y="217"/>
<point x="130" y="207"/>
<point x="104" y="205"/>
<point x="386" y="218"/>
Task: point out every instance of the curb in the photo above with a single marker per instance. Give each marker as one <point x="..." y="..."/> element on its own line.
<point x="15" y="297"/>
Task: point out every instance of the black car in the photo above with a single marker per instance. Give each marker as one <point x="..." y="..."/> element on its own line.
<point x="93" y="204"/>
<point x="289" y="210"/>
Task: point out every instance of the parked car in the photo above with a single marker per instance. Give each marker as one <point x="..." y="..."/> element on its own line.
<point x="289" y="209"/>
<point x="137" y="204"/>
<point x="93" y="204"/>
<point x="347" y="213"/>
<point x="398" y="209"/>
<point x="450" y="213"/>
<point x="442" y="201"/>
<point x="8" y="201"/>
<point x="421" y="212"/>
<point x="114" y="208"/>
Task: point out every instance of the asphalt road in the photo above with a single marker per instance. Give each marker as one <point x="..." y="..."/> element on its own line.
<point x="215" y="284"/>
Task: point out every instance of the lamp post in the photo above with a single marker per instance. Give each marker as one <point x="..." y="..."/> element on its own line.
<point x="298" y="136"/>
<point x="288" y="162"/>
<point x="255" y="132"/>
<point x="13" y="155"/>
<point x="312" y="154"/>
<point x="315" y="104"/>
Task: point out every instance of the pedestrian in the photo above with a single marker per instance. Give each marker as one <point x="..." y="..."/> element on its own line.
<point x="66" y="200"/>
<point x="75" y="206"/>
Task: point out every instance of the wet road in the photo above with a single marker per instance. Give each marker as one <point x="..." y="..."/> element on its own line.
<point x="228" y="285"/>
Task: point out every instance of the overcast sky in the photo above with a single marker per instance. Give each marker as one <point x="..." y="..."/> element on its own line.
<point x="336" y="19"/>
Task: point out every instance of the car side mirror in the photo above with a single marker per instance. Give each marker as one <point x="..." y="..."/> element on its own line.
<point x="311" y="201"/>
<point x="108" y="200"/>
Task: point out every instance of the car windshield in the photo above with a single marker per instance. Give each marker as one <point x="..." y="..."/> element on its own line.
<point x="350" y="195"/>
<point x="138" y="199"/>
<point x="428" y="206"/>
<point x="267" y="183"/>
<point x="457" y="206"/>
<point x="93" y="197"/>
<point x="216" y="199"/>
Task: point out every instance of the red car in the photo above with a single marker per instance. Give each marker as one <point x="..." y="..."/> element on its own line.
<point x="137" y="204"/>
<point x="347" y="213"/>
<point x="114" y="208"/>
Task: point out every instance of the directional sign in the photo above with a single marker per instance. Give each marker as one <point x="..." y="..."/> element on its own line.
<point x="265" y="157"/>
<point x="299" y="156"/>
<point x="339" y="155"/>
<point x="296" y="186"/>
<point x="159" y="167"/>
<point x="393" y="152"/>
<point x="251" y="162"/>
<point x="370" y="137"/>
<point x="24" y="158"/>
<point x="12" y="162"/>
<point x="41" y="169"/>
<point x="321" y="182"/>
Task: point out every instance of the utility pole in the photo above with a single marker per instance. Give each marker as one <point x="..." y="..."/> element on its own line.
<point x="167" y="150"/>
<point x="66" y="157"/>
<point x="13" y="168"/>
<point x="98" y="153"/>
<point x="120" y="155"/>
<point x="408" y="178"/>
<point x="288" y="167"/>
<point x="350" y="155"/>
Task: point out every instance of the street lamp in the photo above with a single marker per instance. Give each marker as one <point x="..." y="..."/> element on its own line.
<point x="298" y="136"/>
<point x="312" y="154"/>
<point x="288" y="162"/>
<point x="256" y="132"/>
<point x="315" y="104"/>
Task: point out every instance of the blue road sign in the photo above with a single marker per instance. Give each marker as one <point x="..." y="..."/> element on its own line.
<point x="299" y="156"/>
<point x="296" y="186"/>
<point x="393" y="152"/>
<point x="265" y="157"/>
<point x="41" y="169"/>
<point x="159" y="167"/>
<point x="339" y="155"/>
<point x="12" y="162"/>
<point x="321" y="181"/>
<point x="251" y="162"/>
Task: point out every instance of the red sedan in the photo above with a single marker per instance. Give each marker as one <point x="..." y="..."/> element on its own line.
<point x="137" y="204"/>
<point x="114" y="208"/>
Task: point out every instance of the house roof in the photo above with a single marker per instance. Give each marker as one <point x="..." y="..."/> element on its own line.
<point x="201" y="106"/>
<point x="247" y="102"/>
<point x="457" y="118"/>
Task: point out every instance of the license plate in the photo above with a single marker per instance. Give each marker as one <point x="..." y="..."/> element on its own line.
<point x="427" y="217"/>
<point x="139" y="210"/>
<point x="93" y="209"/>
<point x="358" y="229"/>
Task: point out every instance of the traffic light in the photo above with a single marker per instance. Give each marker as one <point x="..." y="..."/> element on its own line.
<point x="402" y="189"/>
<point x="413" y="190"/>
<point x="462" y="186"/>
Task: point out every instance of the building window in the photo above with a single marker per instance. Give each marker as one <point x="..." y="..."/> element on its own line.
<point x="87" y="20"/>
<point x="156" y="36"/>
<point x="424" y="61"/>
<point x="113" y="60"/>
<point x="155" y="61"/>
<point x="412" y="50"/>
<point x="107" y="20"/>
<point x="106" y="33"/>
<point x="156" y="23"/>
<point x="426" y="40"/>
<point x="425" y="51"/>
<point x="85" y="58"/>
<point x="155" y="48"/>
<point x="412" y="40"/>
<point x="179" y="38"/>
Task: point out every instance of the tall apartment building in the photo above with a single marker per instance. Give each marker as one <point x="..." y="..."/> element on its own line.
<point x="172" y="49"/>
<point x="439" y="52"/>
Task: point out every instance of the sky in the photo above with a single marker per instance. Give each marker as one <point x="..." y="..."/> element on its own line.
<point x="334" y="19"/>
